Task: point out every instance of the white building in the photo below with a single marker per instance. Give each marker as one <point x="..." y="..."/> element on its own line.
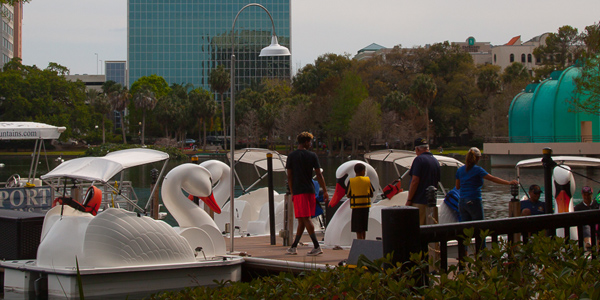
<point x="517" y="51"/>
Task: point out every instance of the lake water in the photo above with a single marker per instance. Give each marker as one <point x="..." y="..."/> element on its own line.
<point x="495" y="196"/>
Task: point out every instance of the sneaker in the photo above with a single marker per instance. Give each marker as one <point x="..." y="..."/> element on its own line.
<point x="291" y="251"/>
<point x="315" y="252"/>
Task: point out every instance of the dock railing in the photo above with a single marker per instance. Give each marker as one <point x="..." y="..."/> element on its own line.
<point x="419" y="237"/>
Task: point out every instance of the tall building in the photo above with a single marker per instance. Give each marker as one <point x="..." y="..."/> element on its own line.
<point x="12" y="20"/>
<point x="183" y="40"/>
<point x="116" y="71"/>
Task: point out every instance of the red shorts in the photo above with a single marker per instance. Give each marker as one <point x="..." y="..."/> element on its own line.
<point x="304" y="205"/>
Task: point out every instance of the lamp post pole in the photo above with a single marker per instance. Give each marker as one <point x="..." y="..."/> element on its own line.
<point x="96" y="63"/>
<point x="272" y="50"/>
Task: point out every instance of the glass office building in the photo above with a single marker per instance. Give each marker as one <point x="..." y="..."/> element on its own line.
<point x="183" y="40"/>
<point x="116" y="71"/>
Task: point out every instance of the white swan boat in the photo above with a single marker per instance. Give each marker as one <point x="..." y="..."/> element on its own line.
<point x="28" y="193"/>
<point x="118" y="252"/>
<point x="564" y="184"/>
<point x="85" y="171"/>
<point x="338" y="231"/>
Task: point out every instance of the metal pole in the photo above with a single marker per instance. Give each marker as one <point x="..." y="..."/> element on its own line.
<point x="232" y="114"/>
<point x="232" y="149"/>
<point x="549" y="165"/>
<point x="271" y="198"/>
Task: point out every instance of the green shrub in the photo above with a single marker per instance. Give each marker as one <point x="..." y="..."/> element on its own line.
<point x="545" y="268"/>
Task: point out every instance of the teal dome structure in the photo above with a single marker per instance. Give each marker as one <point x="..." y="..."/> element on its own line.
<point x="544" y="113"/>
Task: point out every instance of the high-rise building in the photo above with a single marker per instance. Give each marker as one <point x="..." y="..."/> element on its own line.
<point x="12" y="20"/>
<point x="183" y="40"/>
<point x="116" y="71"/>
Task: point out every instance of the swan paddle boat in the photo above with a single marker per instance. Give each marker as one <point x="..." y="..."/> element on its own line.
<point x="119" y="252"/>
<point x="564" y="185"/>
<point x="338" y="231"/>
<point x="252" y="207"/>
<point x="28" y="193"/>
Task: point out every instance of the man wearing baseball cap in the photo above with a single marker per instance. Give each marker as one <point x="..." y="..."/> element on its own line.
<point x="533" y="205"/>
<point x="424" y="172"/>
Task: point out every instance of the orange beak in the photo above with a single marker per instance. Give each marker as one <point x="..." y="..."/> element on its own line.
<point x="210" y="201"/>
<point x="562" y="202"/>
<point x="337" y="195"/>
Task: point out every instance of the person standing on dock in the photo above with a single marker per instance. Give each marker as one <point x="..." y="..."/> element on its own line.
<point x="469" y="180"/>
<point x="360" y="192"/>
<point x="300" y="165"/>
<point x="424" y="172"/>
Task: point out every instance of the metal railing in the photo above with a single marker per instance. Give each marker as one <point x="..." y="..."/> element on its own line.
<point x="444" y="233"/>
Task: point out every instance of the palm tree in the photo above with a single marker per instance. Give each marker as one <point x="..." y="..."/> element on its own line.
<point x="144" y="99"/>
<point x="102" y="106"/>
<point x="220" y="81"/>
<point x="424" y="90"/>
<point x="119" y="99"/>
<point x="204" y="108"/>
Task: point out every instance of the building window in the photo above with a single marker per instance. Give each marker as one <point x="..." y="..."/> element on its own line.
<point x="538" y="60"/>
<point x="529" y="58"/>
<point x="512" y="57"/>
<point x="523" y="57"/>
<point x="494" y="58"/>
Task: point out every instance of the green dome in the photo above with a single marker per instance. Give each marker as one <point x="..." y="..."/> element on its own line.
<point x="544" y="113"/>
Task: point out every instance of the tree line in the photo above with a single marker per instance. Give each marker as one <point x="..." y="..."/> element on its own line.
<point x="436" y="92"/>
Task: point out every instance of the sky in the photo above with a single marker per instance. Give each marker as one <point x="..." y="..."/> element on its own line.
<point x="82" y="34"/>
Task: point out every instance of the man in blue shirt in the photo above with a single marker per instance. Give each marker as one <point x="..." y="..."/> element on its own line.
<point x="424" y="172"/>
<point x="533" y="206"/>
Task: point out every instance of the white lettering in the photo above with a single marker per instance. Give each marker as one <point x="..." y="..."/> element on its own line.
<point x="31" y="194"/>
<point x="3" y="197"/>
<point x="21" y="198"/>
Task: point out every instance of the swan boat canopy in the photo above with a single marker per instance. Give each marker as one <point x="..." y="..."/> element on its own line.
<point x="102" y="169"/>
<point x="257" y="157"/>
<point x="28" y="193"/>
<point x="404" y="158"/>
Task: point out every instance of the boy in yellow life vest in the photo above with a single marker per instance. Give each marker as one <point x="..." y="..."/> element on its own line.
<point x="360" y="192"/>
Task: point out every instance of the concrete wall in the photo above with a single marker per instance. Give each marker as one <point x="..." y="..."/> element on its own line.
<point x="508" y="154"/>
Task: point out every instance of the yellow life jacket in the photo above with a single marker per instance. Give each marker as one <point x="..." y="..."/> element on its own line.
<point x="360" y="192"/>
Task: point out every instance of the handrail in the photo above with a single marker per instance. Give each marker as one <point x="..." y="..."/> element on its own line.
<point x="442" y="233"/>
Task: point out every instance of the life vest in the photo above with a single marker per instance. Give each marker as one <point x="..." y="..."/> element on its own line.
<point x="360" y="192"/>
<point x="91" y="202"/>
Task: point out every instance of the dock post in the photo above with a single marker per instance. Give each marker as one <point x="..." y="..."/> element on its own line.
<point x="514" y="209"/>
<point x="154" y="175"/>
<point x="400" y="232"/>
<point x="432" y="219"/>
<point x="271" y="198"/>
<point x="288" y="220"/>
<point x="549" y="165"/>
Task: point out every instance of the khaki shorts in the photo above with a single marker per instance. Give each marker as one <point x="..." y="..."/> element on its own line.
<point x="422" y="213"/>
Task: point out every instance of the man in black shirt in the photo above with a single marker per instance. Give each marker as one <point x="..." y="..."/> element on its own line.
<point x="300" y="165"/>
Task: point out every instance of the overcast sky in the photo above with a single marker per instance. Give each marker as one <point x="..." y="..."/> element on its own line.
<point x="70" y="32"/>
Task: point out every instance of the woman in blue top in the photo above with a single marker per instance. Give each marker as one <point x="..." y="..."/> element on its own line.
<point x="469" y="179"/>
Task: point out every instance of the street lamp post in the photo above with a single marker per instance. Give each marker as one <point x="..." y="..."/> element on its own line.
<point x="96" y="63"/>
<point x="272" y="50"/>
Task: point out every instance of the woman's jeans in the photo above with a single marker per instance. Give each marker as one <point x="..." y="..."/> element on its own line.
<point x="470" y="209"/>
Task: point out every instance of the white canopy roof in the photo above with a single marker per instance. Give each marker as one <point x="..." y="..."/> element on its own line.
<point x="573" y="161"/>
<point x="29" y="131"/>
<point x="405" y="158"/>
<point x="104" y="168"/>
<point x="258" y="157"/>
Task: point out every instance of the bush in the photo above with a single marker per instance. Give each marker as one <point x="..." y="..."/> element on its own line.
<point x="545" y="268"/>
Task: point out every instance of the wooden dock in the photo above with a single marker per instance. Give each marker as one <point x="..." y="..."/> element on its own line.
<point x="262" y="258"/>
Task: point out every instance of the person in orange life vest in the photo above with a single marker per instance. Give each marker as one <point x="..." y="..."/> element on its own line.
<point x="360" y="192"/>
<point x="300" y="165"/>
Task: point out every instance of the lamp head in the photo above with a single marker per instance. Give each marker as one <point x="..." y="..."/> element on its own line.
<point x="275" y="49"/>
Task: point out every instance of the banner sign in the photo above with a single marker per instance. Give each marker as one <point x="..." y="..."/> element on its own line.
<point x="35" y="199"/>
